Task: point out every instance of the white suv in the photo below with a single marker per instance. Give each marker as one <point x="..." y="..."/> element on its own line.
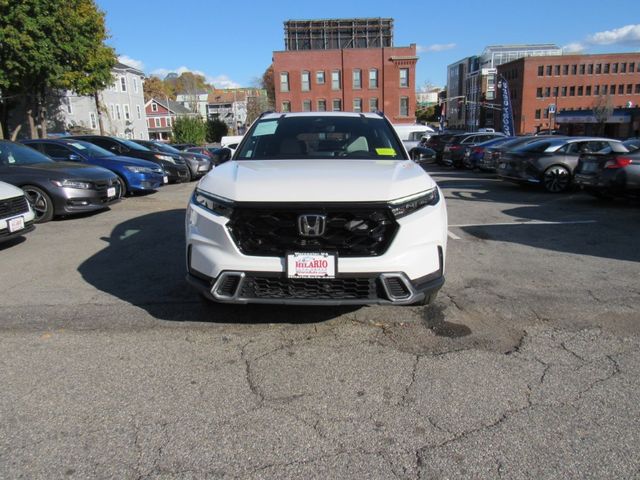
<point x="16" y="214"/>
<point x="318" y="208"/>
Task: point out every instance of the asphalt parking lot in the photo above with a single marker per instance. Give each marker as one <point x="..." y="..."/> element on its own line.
<point x="527" y="365"/>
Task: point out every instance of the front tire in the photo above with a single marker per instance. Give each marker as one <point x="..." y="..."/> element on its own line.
<point x="556" y="179"/>
<point x="40" y="202"/>
<point x="124" y="191"/>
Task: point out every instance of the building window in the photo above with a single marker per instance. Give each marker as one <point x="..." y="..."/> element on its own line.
<point x="322" y="105"/>
<point x="538" y="114"/>
<point x="547" y="91"/>
<point x="357" y="79"/>
<point x="284" y="82"/>
<point x="549" y="70"/>
<point x="135" y="84"/>
<point x="404" y="106"/>
<point x="605" y="69"/>
<point x="156" y="122"/>
<point x="69" y="108"/>
<point x="612" y="90"/>
<point x="373" y="78"/>
<point x="92" y="120"/>
<point x="598" y="69"/>
<point x="138" y="112"/>
<point x="623" y="68"/>
<point x="286" y="106"/>
<point x="605" y="89"/>
<point x="337" y="105"/>
<point x="580" y="91"/>
<point x="335" y="80"/>
<point x="596" y="90"/>
<point x="637" y="88"/>
<point x="123" y="84"/>
<point x="582" y="69"/>
<point x="629" y="89"/>
<point x="373" y="104"/>
<point x="564" y="92"/>
<point x="154" y="107"/>
<point x="632" y="67"/>
<point x="574" y="69"/>
<point x="545" y="113"/>
<point x="168" y="120"/>
<point x="306" y="81"/>
<point x="320" y="77"/>
<point x="539" y="92"/>
<point x="614" y="68"/>
<point x="113" y="111"/>
<point x="306" y="105"/>
<point x="404" y="77"/>
<point x="127" y="115"/>
<point x="565" y="69"/>
<point x="540" y="70"/>
<point x="555" y="91"/>
<point x="118" y="112"/>
<point x="620" y="89"/>
<point x="572" y="91"/>
<point x="588" y="91"/>
<point x="557" y="69"/>
<point x="357" y="105"/>
<point x="590" y="69"/>
<point x="490" y="95"/>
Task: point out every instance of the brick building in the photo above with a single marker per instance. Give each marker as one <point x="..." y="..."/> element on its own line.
<point x="572" y="86"/>
<point x="345" y="65"/>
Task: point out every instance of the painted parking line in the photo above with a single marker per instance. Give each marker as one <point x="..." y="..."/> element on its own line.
<point x="453" y="236"/>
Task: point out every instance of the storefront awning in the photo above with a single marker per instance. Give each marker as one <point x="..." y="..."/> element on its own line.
<point x="587" y="116"/>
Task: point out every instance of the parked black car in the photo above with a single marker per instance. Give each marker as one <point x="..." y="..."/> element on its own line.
<point x="183" y="146"/>
<point x="491" y="156"/>
<point x="217" y="155"/>
<point x="474" y="153"/>
<point x="551" y="161"/>
<point x="56" y="188"/>
<point x="453" y="151"/>
<point x="437" y="143"/>
<point x="198" y="164"/>
<point x="609" y="173"/>
<point x="174" y="166"/>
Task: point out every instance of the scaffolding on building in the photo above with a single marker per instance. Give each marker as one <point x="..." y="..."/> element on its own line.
<point x="338" y="33"/>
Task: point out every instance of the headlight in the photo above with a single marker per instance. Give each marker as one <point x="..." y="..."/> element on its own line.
<point x="72" y="184"/>
<point x="213" y="203"/>
<point x="166" y="158"/>
<point x="406" y="205"/>
<point x="135" y="169"/>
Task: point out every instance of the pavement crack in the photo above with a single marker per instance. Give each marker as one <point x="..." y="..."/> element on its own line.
<point x="571" y="352"/>
<point x="454" y="301"/>
<point x="251" y="382"/>
<point x="414" y="369"/>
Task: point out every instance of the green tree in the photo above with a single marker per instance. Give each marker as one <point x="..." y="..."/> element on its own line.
<point x="268" y="83"/>
<point x="189" y="130"/>
<point x="216" y="129"/>
<point x="49" y="44"/>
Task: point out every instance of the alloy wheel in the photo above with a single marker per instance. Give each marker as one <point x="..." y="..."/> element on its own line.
<point x="40" y="203"/>
<point x="556" y="179"/>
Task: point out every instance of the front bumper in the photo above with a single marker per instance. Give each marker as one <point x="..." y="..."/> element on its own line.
<point x="145" y="181"/>
<point x="5" y="234"/>
<point x="176" y="173"/>
<point x="413" y="265"/>
<point x="75" y="200"/>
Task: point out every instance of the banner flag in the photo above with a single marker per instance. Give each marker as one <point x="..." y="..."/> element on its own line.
<point x="507" y="112"/>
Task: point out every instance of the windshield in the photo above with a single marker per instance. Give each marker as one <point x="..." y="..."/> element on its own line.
<point x="89" y="149"/>
<point x="133" y="145"/>
<point x="321" y="137"/>
<point x="166" y="148"/>
<point x="14" y="154"/>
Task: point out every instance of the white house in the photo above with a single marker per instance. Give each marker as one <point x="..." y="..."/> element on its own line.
<point x="194" y="101"/>
<point x="122" y="107"/>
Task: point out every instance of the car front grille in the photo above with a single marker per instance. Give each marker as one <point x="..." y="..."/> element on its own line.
<point x="351" y="231"/>
<point x="277" y="287"/>
<point x="13" y="206"/>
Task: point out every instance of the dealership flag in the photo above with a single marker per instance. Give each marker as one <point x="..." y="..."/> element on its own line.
<point x="507" y="112"/>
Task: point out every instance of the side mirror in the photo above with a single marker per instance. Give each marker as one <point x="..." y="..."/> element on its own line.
<point x="225" y="155"/>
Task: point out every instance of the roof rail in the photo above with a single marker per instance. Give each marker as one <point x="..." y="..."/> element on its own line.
<point x="380" y="113"/>
<point x="266" y="113"/>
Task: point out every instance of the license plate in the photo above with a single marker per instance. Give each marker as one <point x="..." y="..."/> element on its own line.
<point x="589" y="167"/>
<point x="111" y="192"/>
<point x="311" y="265"/>
<point x="15" y="224"/>
<point x="165" y="179"/>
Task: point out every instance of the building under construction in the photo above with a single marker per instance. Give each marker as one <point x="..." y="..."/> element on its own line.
<point x="338" y="33"/>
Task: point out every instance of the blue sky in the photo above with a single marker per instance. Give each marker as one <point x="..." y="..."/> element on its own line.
<point x="232" y="43"/>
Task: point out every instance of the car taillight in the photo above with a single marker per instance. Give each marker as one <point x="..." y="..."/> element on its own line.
<point x="455" y="147"/>
<point x="619" y="162"/>
<point x="477" y="150"/>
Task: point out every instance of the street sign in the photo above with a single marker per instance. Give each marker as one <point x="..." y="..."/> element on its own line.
<point x="552" y="108"/>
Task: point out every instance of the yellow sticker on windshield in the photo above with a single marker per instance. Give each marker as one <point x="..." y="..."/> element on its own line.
<point x="389" y="152"/>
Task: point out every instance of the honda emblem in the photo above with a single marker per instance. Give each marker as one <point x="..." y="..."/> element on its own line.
<point x="312" y="225"/>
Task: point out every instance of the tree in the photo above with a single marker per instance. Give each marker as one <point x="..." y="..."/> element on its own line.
<point x="48" y="44"/>
<point x="216" y="129"/>
<point x="602" y="110"/>
<point x="155" y="88"/>
<point x="189" y="130"/>
<point x="268" y="83"/>
<point x="256" y="104"/>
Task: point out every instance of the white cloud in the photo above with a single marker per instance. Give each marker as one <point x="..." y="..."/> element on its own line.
<point x="132" y="62"/>
<point x="219" y="81"/>
<point x="627" y="35"/>
<point x="436" y="47"/>
<point x="574" y="47"/>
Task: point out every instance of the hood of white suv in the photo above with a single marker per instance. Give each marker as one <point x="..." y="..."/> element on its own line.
<point x="9" y="191"/>
<point x="316" y="180"/>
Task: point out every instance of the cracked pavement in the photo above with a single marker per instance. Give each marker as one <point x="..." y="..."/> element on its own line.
<point x="527" y="366"/>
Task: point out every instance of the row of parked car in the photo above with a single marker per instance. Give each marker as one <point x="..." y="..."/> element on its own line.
<point x="41" y="179"/>
<point x="602" y="167"/>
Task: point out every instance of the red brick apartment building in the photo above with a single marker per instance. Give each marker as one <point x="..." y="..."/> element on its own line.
<point x="345" y="65"/>
<point x="574" y="84"/>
